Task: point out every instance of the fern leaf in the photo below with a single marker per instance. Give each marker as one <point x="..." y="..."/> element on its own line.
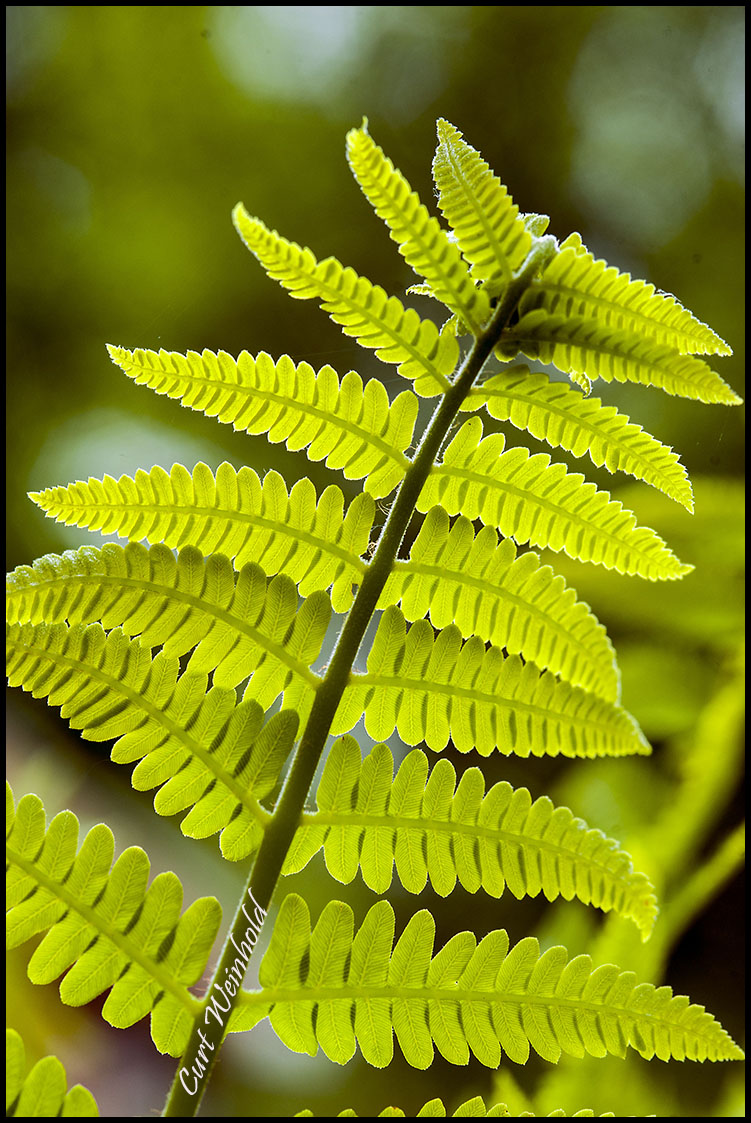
<point x="537" y="224"/>
<point x="205" y="751"/>
<point x="433" y="828"/>
<point x="513" y="602"/>
<point x="575" y="284"/>
<point x="337" y="989"/>
<point x="235" y="514"/>
<point x="102" y="926"/>
<point x="531" y="500"/>
<point x="492" y="235"/>
<point x="239" y="624"/>
<point x="558" y="414"/>
<point x="43" y="1092"/>
<point x="580" y="346"/>
<point x="356" y="429"/>
<point x="431" y="689"/>
<point x="474" y="1107"/>
<point x="362" y="310"/>
<point x="421" y="240"/>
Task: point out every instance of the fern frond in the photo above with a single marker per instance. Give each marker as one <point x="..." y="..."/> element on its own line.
<point x="205" y="751"/>
<point x="43" y="1092"/>
<point x="235" y="514"/>
<point x="492" y="235"/>
<point x="357" y="430"/>
<point x="102" y="926"/>
<point x="531" y="500"/>
<point x="421" y="240"/>
<point x="574" y="283"/>
<point x="514" y="602"/>
<point x="474" y="1107"/>
<point x="239" y="624"/>
<point x="337" y="989"/>
<point x="563" y="417"/>
<point x="434" y="829"/>
<point x="363" y="310"/>
<point x="581" y="346"/>
<point x="431" y="689"/>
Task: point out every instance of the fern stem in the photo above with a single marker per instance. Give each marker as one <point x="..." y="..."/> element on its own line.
<point x="286" y="817"/>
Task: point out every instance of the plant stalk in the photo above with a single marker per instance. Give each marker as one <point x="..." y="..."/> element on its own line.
<point x="280" y="831"/>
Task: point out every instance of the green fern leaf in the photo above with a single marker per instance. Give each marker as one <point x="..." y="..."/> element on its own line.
<point x="432" y="828"/>
<point x="531" y="500"/>
<point x="474" y="1107"/>
<point x="581" y="346"/>
<point x="239" y="624"/>
<point x="432" y="688"/>
<point x="356" y="429"/>
<point x="558" y="414"/>
<point x="575" y="284"/>
<point x="43" y="1092"/>
<point x="205" y="751"/>
<point x="513" y="602"/>
<point x="102" y="926"/>
<point x="235" y="514"/>
<point x="362" y="310"/>
<point x="421" y="240"/>
<point x="537" y="224"/>
<point x="492" y="235"/>
<point x="337" y="989"/>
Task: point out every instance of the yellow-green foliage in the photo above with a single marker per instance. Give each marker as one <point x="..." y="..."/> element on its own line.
<point x="197" y="649"/>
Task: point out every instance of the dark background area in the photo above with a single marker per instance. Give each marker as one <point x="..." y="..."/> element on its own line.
<point x="131" y="133"/>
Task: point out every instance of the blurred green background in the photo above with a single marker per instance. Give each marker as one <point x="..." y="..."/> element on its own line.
<point x="131" y="133"/>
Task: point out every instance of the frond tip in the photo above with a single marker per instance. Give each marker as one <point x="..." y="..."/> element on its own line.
<point x="337" y="988"/>
<point x="492" y="235"/>
<point x="428" y="248"/>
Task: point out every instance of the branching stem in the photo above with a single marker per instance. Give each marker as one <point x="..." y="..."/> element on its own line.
<point x="286" y="818"/>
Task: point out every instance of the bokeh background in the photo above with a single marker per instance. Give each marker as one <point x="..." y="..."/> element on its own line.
<point x="132" y="132"/>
